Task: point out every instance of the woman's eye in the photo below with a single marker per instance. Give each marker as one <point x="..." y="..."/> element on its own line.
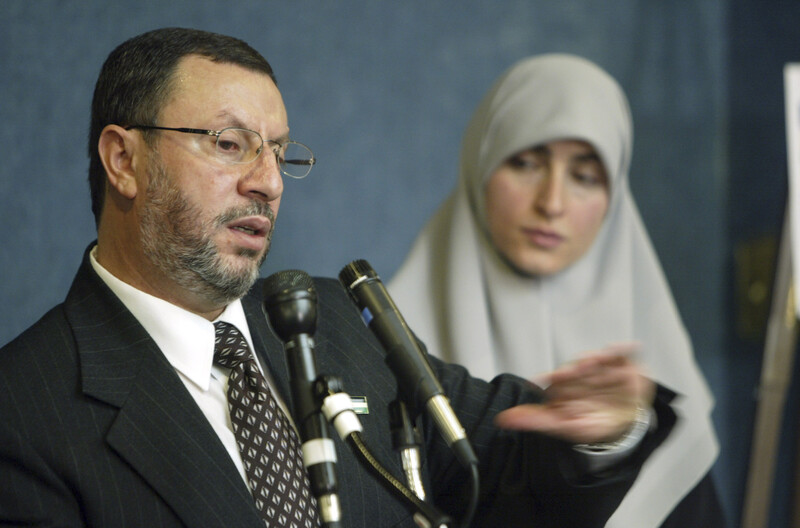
<point x="523" y="163"/>
<point x="587" y="179"/>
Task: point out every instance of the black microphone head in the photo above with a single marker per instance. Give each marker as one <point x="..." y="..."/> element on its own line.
<point x="287" y="280"/>
<point x="356" y="271"/>
<point x="290" y="302"/>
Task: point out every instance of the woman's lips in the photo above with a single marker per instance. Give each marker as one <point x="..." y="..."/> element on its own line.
<point x="544" y="238"/>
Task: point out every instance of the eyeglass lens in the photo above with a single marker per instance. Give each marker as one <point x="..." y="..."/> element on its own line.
<point x="296" y="160"/>
<point x="239" y="145"/>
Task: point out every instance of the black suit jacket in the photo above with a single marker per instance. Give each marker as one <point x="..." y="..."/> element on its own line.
<point x="96" y="429"/>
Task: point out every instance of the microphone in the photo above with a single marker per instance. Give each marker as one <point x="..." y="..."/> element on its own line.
<point x="290" y="302"/>
<point x="417" y="384"/>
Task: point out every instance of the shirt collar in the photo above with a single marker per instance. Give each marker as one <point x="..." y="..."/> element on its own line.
<point x="185" y="338"/>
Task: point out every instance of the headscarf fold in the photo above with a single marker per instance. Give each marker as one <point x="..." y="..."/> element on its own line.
<point x="469" y="307"/>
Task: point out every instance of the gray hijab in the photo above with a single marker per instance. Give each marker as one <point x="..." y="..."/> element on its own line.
<point x="470" y="308"/>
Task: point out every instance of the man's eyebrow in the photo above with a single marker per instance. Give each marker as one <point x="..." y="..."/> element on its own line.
<point x="229" y="119"/>
<point x="233" y="121"/>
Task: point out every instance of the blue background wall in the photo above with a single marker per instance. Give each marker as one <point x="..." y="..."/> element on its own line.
<point x="382" y="92"/>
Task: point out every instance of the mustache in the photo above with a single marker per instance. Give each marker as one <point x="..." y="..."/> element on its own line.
<point x="254" y="208"/>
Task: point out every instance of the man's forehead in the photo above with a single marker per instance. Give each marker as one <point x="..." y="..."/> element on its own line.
<point x="234" y="94"/>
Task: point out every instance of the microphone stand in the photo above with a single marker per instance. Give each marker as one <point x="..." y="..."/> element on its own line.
<point x="319" y="452"/>
<point x="406" y="440"/>
<point x="290" y="303"/>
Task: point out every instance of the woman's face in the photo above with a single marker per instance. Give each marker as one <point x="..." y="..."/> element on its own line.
<point x="545" y="205"/>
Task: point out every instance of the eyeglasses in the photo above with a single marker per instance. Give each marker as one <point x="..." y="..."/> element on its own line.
<point x="236" y="146"/>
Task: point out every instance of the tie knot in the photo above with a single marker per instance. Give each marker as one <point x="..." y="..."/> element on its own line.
<point x="230" y="346"/>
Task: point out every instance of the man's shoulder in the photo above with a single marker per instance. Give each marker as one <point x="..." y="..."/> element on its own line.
<point x="45" y="352"/>
<point x="330" y="287"/>
<point x="50" y="328"/>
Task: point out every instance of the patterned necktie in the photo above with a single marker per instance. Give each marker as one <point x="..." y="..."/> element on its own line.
<point x="268" y="444"/>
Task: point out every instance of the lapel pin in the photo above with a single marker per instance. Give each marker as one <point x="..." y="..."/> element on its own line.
<point x="359" y="404"/>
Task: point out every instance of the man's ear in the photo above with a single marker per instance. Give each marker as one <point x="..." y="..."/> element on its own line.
<point x="118" y="148"/>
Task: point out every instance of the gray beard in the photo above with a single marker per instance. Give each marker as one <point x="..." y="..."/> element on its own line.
<point x="180" y="245"/>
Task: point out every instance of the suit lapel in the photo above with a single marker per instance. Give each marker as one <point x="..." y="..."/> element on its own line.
<point x="159" y="429"/>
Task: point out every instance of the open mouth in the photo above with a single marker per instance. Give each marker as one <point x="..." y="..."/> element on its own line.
<point x="253" y="225"/>
<point x="253" y="232"/>
<point x="247" y="230"/>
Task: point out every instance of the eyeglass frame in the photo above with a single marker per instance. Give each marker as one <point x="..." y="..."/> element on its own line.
<point x="217" y="133"/>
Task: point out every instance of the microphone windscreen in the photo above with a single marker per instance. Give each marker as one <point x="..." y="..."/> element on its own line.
<point x="287" y="280"/>
<point x="290" y="302"/>
<point x="355" y="270"/>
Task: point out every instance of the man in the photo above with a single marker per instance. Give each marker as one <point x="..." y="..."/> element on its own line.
<point x="113" y="410"/>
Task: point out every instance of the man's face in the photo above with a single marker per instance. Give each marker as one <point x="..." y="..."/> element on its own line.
<point x="206" y="225"/>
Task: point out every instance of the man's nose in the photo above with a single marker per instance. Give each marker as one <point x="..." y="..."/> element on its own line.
<point x="264" y="180"/>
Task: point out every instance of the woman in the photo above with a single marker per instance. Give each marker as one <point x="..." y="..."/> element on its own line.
<point x="540" y="254"/>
